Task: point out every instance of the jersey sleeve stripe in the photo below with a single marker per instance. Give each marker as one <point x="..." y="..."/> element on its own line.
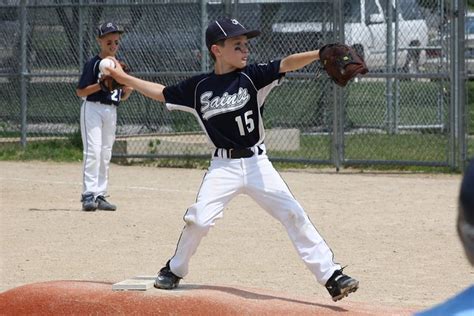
<point x="173" y="107"/>
<point x="96" y="64"/>
<point x="253" y="85"/>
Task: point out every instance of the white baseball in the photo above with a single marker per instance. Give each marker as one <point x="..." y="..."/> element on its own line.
<point x="106" y="62"/>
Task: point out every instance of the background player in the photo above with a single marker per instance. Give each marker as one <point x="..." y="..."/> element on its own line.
<point x="463" y="303"/>
<point x="98" y="121"/>
<point x="229" y="106"/>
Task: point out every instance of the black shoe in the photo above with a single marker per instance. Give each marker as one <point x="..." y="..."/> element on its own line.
<point x="88" y="202"/>
<point x="103" y="205"/>
<point x="340" y="285"/>
<point x="166" y="279"/>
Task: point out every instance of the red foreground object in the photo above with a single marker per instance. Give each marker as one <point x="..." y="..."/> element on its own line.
<point x="96" y="298"/>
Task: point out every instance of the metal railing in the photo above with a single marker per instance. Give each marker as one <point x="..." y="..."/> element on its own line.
<point x="410" y="109"/>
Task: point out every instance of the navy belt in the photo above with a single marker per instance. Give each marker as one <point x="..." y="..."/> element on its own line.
<point x="108" y="103"/>
<point x="236" y="153"/>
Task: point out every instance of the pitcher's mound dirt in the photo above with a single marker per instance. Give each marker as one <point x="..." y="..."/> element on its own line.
<point x="81" y="297"/>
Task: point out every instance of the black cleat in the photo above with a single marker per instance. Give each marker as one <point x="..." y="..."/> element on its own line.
<point x="166" y="279"/>
<point x="88" y="202"/>
<point x="340" y="285"/>
<point x="103" y="205"/>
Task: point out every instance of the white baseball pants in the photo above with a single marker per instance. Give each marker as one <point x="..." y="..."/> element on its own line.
<point x="98" y="125"/>
<point x="256" y="177"/>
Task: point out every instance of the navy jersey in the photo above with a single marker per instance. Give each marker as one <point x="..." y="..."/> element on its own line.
<point x="229" y="107"/>
<point x="90" y="75"/>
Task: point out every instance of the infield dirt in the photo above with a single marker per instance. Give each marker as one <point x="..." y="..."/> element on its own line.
<point x="396" y="232"/>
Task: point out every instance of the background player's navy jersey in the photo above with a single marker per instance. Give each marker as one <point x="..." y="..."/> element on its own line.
<point x="228" y="106"/>
<point x="89" y="76"/>
<point x="461" y="304"/>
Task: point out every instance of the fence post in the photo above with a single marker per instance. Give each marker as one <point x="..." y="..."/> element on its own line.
<point x="461" y="93"/>
<point x="457" y="138"/>
<point x="396" y="80"/>
<point x="81" y="34"/>
<point x="228" y="8"/>
<point x="204" y="51"/>
<point x="23" y="72"/>
<point x="391" y="112"/>
<point x="338" y="93"/>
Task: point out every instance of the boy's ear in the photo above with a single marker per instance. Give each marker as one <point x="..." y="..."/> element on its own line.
<point x="216" y="50"/>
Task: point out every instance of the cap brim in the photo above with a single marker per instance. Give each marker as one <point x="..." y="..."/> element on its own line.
<point x="252" y="34"/>
<point x="249" y="34"/>
<point x="118" y="32"/>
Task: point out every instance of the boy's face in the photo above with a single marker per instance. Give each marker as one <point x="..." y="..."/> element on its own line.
<point x="235" y="51"/>
<point x="109" y="44"/>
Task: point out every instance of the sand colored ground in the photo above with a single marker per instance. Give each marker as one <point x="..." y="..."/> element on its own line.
<point x="395" y="232"/>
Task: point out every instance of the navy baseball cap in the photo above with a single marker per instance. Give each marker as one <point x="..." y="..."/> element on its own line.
<point x="107" y="28"/>
<point x="467" y="193"/>
<point x="225" y="28"/>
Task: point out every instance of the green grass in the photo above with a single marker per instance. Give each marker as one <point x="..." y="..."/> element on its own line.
<point x="405" y="147"/>
<point x="53" y="150"/>
<point x="420" y="103"/>
<point x="408" y="147"/>
<point x="60" y="150"/>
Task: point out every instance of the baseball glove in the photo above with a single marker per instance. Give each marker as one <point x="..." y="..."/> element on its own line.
<point x="108" y="83"/>
<point x="341" y="62"/>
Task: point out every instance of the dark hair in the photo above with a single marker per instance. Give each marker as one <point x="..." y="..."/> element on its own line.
<point x="220" y="43"/>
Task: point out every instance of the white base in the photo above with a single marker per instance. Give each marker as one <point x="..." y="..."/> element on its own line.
<point x="138" y="283"/>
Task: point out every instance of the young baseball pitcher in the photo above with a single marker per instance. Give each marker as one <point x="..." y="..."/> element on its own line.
<point x="228" y="103"/>
<point x="98" y="121"/>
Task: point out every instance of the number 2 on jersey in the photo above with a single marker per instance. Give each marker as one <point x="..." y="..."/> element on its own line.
<point x="248" y="123"/>
<point x="116" y="95"/>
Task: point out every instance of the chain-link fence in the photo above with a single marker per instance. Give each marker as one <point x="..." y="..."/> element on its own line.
<point x="410" y="109"/>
